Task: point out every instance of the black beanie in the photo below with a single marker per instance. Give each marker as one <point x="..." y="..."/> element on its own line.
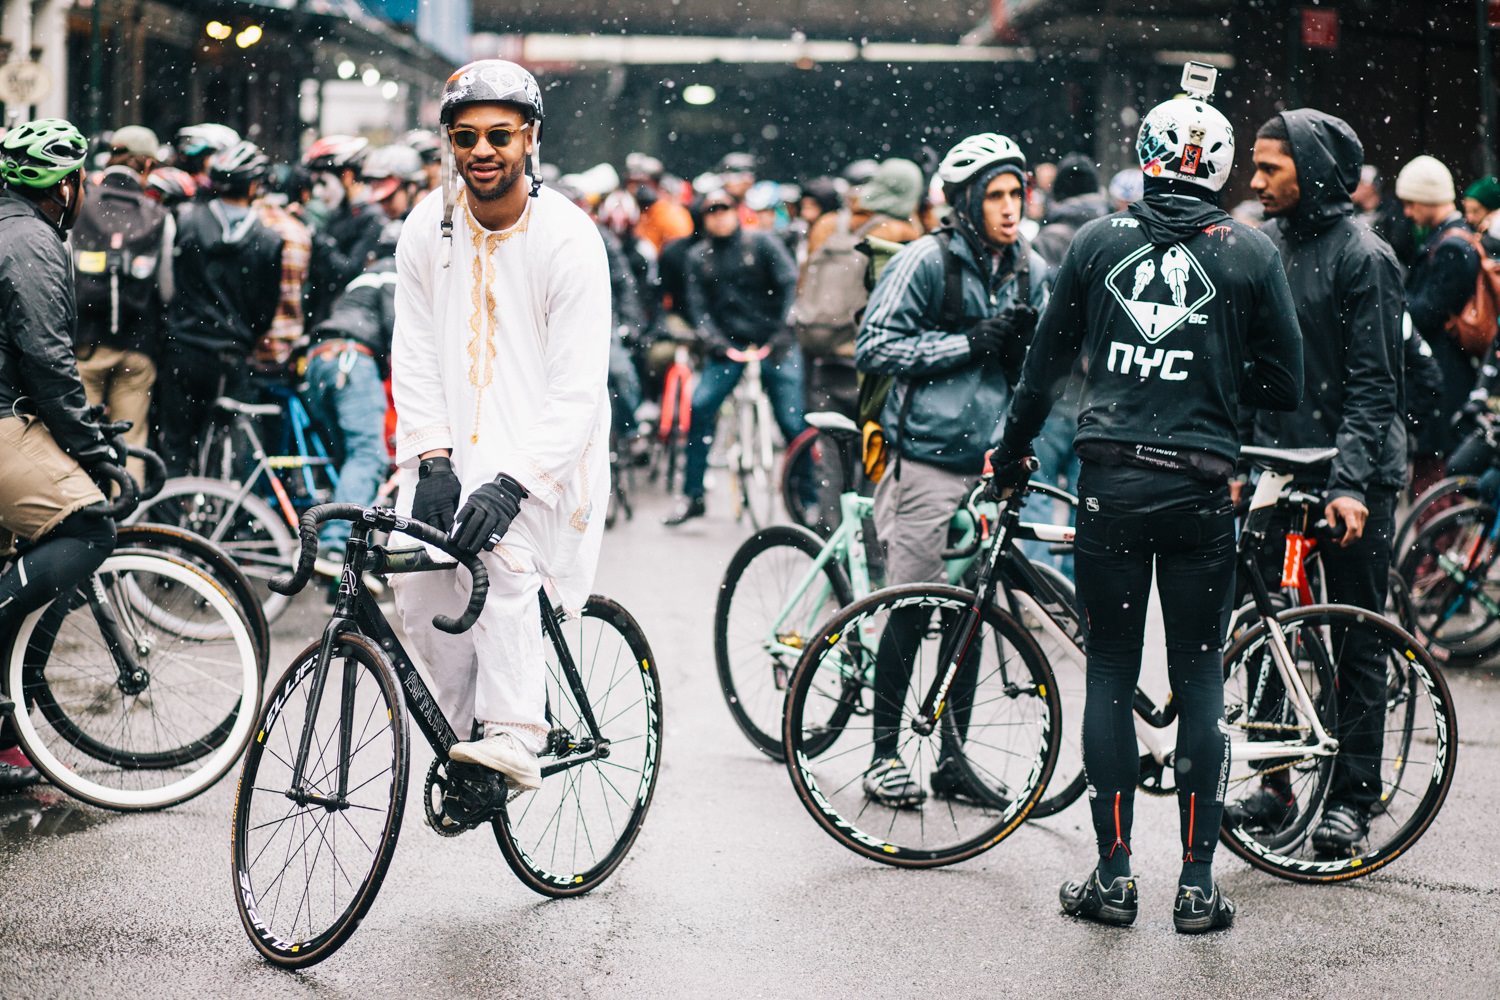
<point x="1075" y="175"/>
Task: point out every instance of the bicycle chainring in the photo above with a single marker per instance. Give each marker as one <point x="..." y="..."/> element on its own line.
<point x="1156" y="778"/>
<point x="455" y="803"/>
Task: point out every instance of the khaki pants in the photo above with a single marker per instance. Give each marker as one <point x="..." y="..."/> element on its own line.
<point x="122" y="381"/>
<point x="40" y="484"/>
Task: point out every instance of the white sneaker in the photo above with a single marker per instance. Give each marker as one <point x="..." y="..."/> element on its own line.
<point x="504" y="753"/>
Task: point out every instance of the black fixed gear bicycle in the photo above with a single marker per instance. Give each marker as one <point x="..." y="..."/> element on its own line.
<point x="324" y="784"/>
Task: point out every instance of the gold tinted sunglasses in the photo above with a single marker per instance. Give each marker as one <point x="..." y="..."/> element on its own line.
<point x="467" y="138"/>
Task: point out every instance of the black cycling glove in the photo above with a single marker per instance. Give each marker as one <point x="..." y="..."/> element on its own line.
<point x="436" y="498"/>
<point x="487" y="515"/>
<point x="1010" y="472"/>
<point x="1004" y="338"/>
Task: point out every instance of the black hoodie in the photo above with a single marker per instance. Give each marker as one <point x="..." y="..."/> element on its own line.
<point x="1347" y="288"/>
<point x="1181" y="314"/>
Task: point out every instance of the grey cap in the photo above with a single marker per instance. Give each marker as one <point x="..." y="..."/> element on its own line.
<point x="137" y="140"/>
<point x="894" y="190"/>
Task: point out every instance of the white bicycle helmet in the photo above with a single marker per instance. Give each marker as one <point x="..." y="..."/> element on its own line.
<point x="1187" y="139"/>
<point x="974" y="154"/>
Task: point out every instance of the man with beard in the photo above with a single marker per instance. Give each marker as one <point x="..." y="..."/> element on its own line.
<point x="499" y="367"/>
<point x="1346" y="285"/>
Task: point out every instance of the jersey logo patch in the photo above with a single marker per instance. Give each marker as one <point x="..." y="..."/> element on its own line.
<point x="1160" y="288"/>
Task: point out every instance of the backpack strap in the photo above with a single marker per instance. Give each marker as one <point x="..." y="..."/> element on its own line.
<point x="951" y="316"/>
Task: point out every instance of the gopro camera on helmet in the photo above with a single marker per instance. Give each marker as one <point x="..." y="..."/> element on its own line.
<point x="1198" y="80"/>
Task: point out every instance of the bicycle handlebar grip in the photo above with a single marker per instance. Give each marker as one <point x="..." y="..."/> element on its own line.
<point x="130" y="496"/>
<point x="156" y="471"/>
<point x="479" y="578"/>
<point x="287" y="584"/>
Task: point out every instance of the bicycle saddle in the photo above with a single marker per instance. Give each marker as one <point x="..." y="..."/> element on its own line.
<point x="229" y="405"/>
<point x="826" y="420"/>
<point x="1289" y="459"/>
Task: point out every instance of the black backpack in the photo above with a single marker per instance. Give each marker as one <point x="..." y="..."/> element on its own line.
<point x="117" y="246"/>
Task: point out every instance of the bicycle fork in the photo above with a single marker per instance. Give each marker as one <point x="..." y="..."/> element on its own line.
<point x="342" y="620"/>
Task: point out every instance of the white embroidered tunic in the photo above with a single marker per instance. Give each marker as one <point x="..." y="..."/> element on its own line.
<point x="503" y="357"/>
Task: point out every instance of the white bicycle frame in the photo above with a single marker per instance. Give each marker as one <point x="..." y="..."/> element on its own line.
<point x="752" y="446"/>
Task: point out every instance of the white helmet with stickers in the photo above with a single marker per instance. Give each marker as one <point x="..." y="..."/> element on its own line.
<point x="1186" y="139"/>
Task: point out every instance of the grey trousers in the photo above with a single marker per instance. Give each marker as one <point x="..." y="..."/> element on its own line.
<point x="911" y="517"/>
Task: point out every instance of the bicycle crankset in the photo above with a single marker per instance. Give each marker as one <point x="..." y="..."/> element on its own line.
<point x="459" y="797"/>
<point x="1157" y="778"/>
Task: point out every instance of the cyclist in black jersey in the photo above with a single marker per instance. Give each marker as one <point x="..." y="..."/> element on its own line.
<point x="1182" y="315"/>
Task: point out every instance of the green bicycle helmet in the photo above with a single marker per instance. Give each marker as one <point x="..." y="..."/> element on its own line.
<point x="41" y="154"/>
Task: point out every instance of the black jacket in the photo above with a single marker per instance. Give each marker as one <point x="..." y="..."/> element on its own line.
<point x="366" y="312"/>
<point x="1441" y="281"/>
<point x="228" y="280"/>
<point x="739" y="289"/>
<point x="1064" y="219"/>
<point x="1181" y="315"/>
<point x="1346" y="285"/>
<point x="340" y="249"/>
<point x="37" y="318"/>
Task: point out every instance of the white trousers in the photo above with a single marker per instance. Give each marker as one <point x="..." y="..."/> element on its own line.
<point x="495" y="672"/>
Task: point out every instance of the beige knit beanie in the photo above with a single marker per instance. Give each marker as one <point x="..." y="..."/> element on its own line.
<point x="1425" y="181"/>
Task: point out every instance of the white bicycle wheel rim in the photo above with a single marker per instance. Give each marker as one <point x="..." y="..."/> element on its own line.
<point x="210" y="769"/>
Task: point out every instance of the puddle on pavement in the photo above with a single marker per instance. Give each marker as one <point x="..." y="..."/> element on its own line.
<point x="43" y="812"/>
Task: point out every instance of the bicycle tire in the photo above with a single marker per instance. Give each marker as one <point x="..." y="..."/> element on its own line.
<point x="1433" y="500"/>
<point x="1414" y="692"/>
<point x="66" y="728"/>
<point x="805" y="457"/>
<point x="1457" y="625"/>
<point x="212" y="560"/>
<point x="262" y="793"/>
<point x="257" y="539"/>
<point x="755" y="721"/>
<point x="829" y="785"/>
<point x="527" y="821"/>
<point x="1068" y="780"/>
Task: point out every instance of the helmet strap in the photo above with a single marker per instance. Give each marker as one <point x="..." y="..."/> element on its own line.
<point x="450" y="170"/>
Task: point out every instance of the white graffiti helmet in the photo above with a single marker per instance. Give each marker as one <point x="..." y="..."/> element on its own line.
<point x="977" y="152"/>
<point x="1186" y="139"/>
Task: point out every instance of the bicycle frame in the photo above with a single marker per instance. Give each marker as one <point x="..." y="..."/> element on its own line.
<point x="356" y="611"/>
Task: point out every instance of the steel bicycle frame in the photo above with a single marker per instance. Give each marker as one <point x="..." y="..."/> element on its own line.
<point x="356" y="611"/>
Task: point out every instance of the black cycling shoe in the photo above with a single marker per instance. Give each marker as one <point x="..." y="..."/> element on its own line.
<point x="1340" y="832"/>
<point x="14" y="777"/>
<point x="1263" y="809"/>
<point x="687" y="509"/>
<point x="948" y="781"/>
<point x="1115" y="904"/>
<point x="1195" y="913"/>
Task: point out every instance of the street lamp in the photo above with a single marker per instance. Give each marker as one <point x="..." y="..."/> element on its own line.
<point x="248" y="37"/>
<point x="347" y="69"/>
<point x="217" y="30"/>
<point x="699" y="94"/>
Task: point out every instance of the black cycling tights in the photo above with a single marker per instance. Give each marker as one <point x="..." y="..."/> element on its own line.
<point x="1130" y="521"/>
<point x="63" y="559"/>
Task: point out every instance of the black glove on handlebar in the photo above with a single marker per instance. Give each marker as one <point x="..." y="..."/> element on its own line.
<point x="1009" y="474"/>
<point x="487" y="515"/>
<point x="435" y="500"/>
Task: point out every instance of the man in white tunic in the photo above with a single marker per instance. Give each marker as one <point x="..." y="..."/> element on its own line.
<point x="499" y="369"/>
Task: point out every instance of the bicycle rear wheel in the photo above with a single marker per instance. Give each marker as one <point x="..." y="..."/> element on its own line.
<point x="212" y="560"/>
<point x="812" y="480"/>
<point x="304" y="873"/>
<point x="125" y="713"/>
<point x="978" y="772"/>
<point x="1452" y="584"/>
<point x="755" y="656"/>
<point x="255" y="536"/>
<point x="1409" y="714"/>
<point x="570" y="835"/>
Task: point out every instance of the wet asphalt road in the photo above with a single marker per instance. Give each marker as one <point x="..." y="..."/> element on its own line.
<point x="732" y="890"/>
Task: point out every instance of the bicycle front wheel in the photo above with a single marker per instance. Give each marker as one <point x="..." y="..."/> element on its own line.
<point x="126" y="713"/>
<point x="307" y="862"/>
<point x="255" y="537"/>
<point x="570" y="835"/>
<point x="1452" y="585"/>
<point x="974" y="775"/>
<point x="770" y="604"/>
<point x="1376" y="690"/>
